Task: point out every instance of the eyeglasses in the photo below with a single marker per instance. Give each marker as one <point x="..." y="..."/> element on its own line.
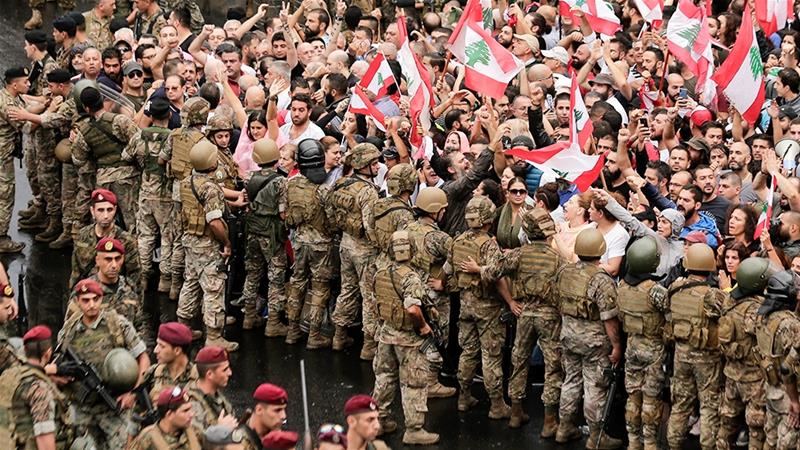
<point x="518" y="191"/>
<point x="136" y="74"/>
<point x="172" y="88"/>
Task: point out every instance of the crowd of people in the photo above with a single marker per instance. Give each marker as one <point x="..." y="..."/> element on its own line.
<point x="297" y="143"/>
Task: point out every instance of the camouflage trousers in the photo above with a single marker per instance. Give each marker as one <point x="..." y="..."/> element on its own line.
<point x="698" y="379"/>
<point x="66" y="5"/>
<point x="738" y="397"/>
<point x="481" y="336"/>
<point x="83" y="198"/>
<point x="311" y="261"/>
<point x="407" y="365"/>
<point x="124" y="8"/>
<point x="48" y="170"/>
<point x="127" y="192"/>
<point x="7" y="191"/>
<point x="257" y="257"/>
<point x="203" y="281"/>
<point x="357" y="272"/>
<point x="106" y="427"/>
<point x="644" y="379"/>
<point x="778" y="433"/>
<point x="583" y="375"/>
<point x="196" y="14"/>
<point x="442" y="305"/>
<point x="69" y="191"/>
<point x="29" y="158"/>
<point x="175" y="228"/>
<point x="152" y="225"/>
<point x="542" y="323"/>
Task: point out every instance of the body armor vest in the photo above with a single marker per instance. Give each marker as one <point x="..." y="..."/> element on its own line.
<point x="382" y="213"/>
<point x="734" y="341"/>
<point x="636" y="311"/>
<point x="105" y="147"/>
<point x="389" y="298"/>
<point x="304" y="205"/>
<point x="468" y="245"/>
<point x="770" y="358"/>
<point x="264" y="218"/>
<point x="183" y="139"/>
<point x="421" y="260"/>
<point x="573" y="286"/>
<point x="160" y="443"/>
<point x="192" y="211"/>
<point x="154" y="139"/>
<point x="227" y="171"/>
<point x="690" y="324"/>
<point x="346" y="213"/>
<point x="538" y="265"/>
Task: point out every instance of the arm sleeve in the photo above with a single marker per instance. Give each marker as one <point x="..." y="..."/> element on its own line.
<point x="656" y="199"/>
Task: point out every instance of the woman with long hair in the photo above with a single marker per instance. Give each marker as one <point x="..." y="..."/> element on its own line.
<point x="728" y="264"/>
<point x="576" y="215"/>
<point x="740" y="226"/>
<point x="256" y="129"/>
<point x="507" y="224"/>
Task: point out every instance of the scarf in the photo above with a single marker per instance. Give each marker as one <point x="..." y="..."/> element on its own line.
<point x="507" y="230"/>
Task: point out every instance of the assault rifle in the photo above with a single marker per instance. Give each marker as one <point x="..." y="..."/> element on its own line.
<point x="86" y="376"/>
<point x="150" y="414"/>
<point x="435" y="340"/>
<point x="615" y="374"/>
<point x="22" y="317"/>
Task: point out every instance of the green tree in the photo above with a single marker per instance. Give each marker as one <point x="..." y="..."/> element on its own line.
<point x="477" y="52"/>
<point x="756" y="67"/>
<point x="690" y="34"/>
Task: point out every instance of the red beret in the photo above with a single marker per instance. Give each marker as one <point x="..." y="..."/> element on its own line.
<point x="359" y="404"/>
<point x="270" y="394"/>
<point x="37" y="333"/>
<point x="172" y="396"/>
<point x="87" y="285"/>
<point x="108" y="244"/>
<point x="175" y="333"/>
<point x="211" y="355"/>
<point x="279" y="440"/>
<point x="103" y="195"/>
<point x="6" y="290"/>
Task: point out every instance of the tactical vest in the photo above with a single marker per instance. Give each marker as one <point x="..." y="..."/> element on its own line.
<point x="766" y="332"/>
<point x="573" y="288"/>
<point x="734" y="341"/>
<point x="389" y="298"/>
<point x="160" y="443"/>
<point x="538" y="264"/>
<point x="690" y="324"/>
<point x="383" y="224"/>
<point x="161" y="379"/>
<point x="192" y="211"/>
<point x="468" y="245"/>
<point x="106" y="148"/>
<point x="227" y="172"/>
<point x="154" y="139"/>
<point x="264" y="217"/>
<point x="422" y="260"/>
<point x="636" y="311"/>
<point x="183" y="139"/>
<point x="210" y="410"/>
<point x="16" y="421"/>
<point x="93" y="344"/>
<point x="303" y="205"/>
<point x="346" y="213"/>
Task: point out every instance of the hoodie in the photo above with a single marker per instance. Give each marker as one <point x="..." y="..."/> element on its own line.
<point x="707" y="225"/>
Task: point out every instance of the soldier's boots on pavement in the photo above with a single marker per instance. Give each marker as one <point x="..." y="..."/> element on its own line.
<point x="214" y="337"/>
<point x="368" y="349"/>
<point x="29" y="211"/>
<point x="466" y="401"/>
<point x="164" y="283"/>
<point x="419" y="436"/>
<point x="35" y="222"/>
<point x="294" y="333"/>
<point x="35" y="21"/>
<point x="252" y="321"/>
<point x="9" y="246"/>
<point x="63" y="240"/>
<point x="518" y="416"/>
<point x="499" y="409"/>
<point x="196" y="334"/>
<point x="550" y="426"/>
<point x="340" y="339"/>
<point x="436" y="389"/>
<point x="274" y="327"/>
<point x="606" y="442"/>
<point x="317" y="340"/>
<point x="52" y="232"/>
<point x="388" y="426"/>
<point x="567" y="431"/>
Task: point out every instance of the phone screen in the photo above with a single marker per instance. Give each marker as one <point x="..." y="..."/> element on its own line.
<point x="682" y="93"/>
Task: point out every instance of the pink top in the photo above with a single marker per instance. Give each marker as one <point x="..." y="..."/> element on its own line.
<point x="244" y="153"/>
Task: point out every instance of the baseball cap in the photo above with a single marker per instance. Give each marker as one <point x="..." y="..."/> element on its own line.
<point x="603" y="78"/>
<point x="529" y="39"/>
<point x="558" y="53"/>
<point x="130" y="67"/>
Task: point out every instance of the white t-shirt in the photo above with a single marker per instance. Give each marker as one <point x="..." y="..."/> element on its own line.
<point x="312" y="132"/>
<point x="616" y="241"/>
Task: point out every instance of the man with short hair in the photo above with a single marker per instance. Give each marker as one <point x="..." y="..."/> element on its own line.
<point x="658" y="174"/>
<point x="269" y="414"/>
<point x="149" y="19"/>
<point x="787" y="87"/>
<point x="17" y="84"/>
<point x="64" y="29"/>
<point x="363" y="426"/>
<point x="208" y="402"/>
<point x="301" y="127"/>
<point x="678" y="181"/>
<point x="98" y="23"/>
<point x="730" y="185"/>
<point x="679" y="159"/>
<point x="739" y="161"/>
<point x="175" y="429"/>
<point x="717" y="206"/>
<point x="173" y="367"/>
<point x="689" y="203"/>
<point x="317" y="23"/>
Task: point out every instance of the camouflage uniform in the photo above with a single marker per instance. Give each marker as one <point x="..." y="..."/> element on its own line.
<point x="124" y="8"/>
<point x="588" y="297"/>
<point x="8" y="356"/>
<point x="59" y="122"/>
<point x="41" y="167"/>
<point x="9" y="132"/>
<point x="194" y="10"/>
<point x="92" y="343"/>
<point x="152" y="438"/>
<point x="83" y="255"/>
<point x="149" y="25"/>
<point x="642" y="307"/>
<point x="121" y="297"/>
<point x="98" y="30"/>
<point x="207" y="407"/>
<point x="388" y="215"/>
<point x="157" y="378"/>
<point x="66" y="5"/>
<point x="695" y="308"/>
<point x="64" y="57"/>
<point x="101" y="141"/>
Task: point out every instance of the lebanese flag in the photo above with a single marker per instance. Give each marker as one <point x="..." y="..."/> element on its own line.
<point x="487" y="17"/>
<point x="766" y="211"/>
<point x="773" y="14"/>
<point x="564" y="160"/>
<point x="580" y="127"/>
<point x="378" y="77"/>
<point x="599" y="14"/>
<point x="741" y="76"/>
<point x="690" y="42"/>
<point x="652" y="11"/>
<point x="418" y="84"/>
<point x="489" y="67"/>
<point x="361" y="104"/>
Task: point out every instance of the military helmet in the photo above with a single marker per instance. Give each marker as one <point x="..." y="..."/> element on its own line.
<point x="120" y="370"/>
<point x="401" y="178"/>
<point x="203" y="155"/>
<point x="195" y="111"/>
<point x="311" y="160"/>
<point x="218" y="123"/>
<point x="643" y="256"/>
<point x="401" y="247"/>
<point x="787" y="149"/>
<point x="78" y="89"/>
<point x="590" y="243"/>
<point x="265" y="151"/>
<point x="431" y="200"/>
<point x="700" y="257"/>
<point x="63" y="151"/>
<point x="781" y="293"/>
<point x="480" y="211"/>
<point x="363" y="155"/>
<point x="752" y="276"/>
<point x="538" y="224"/>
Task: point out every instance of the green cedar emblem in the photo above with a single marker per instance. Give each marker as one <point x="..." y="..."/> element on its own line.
<point x="690" y="34"/>
<point x="477" y="52"/>
<point x="756" y="67"/>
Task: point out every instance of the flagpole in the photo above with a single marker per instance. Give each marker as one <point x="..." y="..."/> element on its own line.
<point x="664" y="72"/>
<point x="446" y="63"/>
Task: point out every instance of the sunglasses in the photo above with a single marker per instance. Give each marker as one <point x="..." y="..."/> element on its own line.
<point x="136" y="74"/>
<point x="331" y="433"/>
<point x="518" y="191"/>
<point x="124" y="49"/>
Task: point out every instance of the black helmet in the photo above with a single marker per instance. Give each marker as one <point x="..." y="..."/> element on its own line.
<point x="522" y="141"/>
<point x="752" y="277"/>
<point x="643" y="256"/>
<point x="311" y="160"/>
<point x="781" y="293"/>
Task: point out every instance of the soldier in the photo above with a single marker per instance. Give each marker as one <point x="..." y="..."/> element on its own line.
<point x="363" y="425"/>
<point x="92" y="333"/>
<point x="532" y="267"/>
<point x="590" y="339"/>
<point x="17" y="84"/>
<point x="642" y="306"/>
<point x="744" y="383"/>
<point x="269" y="414"/>
<point x="350" y="206"/>
<point x="208" y="402"/>
<point x="174" y="430"/>
<point x="173" y="368"/>
<point x="149" y="19"/>
<point x="98" y="23"/>
<point x="37" y="6"/>
<point x="394" y="212"/>
<point x="777" y="335"/>
<point x="36" y="411"/>
<point x="219" y="132"/>
<point x="8" y="312"/>
<point x="399" y="294"/>
<point x="98" y="143"/>
<point x="306" y="195"/>
<point x="266" y="236"/>
<point x="155" y="193"/>
<point x="175" y="155"/>
<point x="202" y="210"/>
<point x="64" y="29"/>
<point x="196" y="14"/>
<point x="84" y="256"/>
<point x="695" y="310"/>
<point x="480" y="332"/>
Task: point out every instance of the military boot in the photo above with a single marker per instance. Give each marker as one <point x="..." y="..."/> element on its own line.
<point x="214" y="337"/>
<point x="274" y="326"/>
<point x="9" y="246"/>
<point x="550" y="425"/>
<point x="28" y="212"/>
<point x="340" y="339"/>
<point x="175" y="288"/>
<point x="388" y="426"/>
<point x="196" y="334"/>
<point x="251" y="317"/>
<point x="35" y="21"/>
<point x="599" y="440"/>
<point x="466" y="401"/>
<point x="64" y="240"/>
<point x="316" y="339"/>
<point x="35" y="222"/>
<point x="634" y="442"/>
<point x="419" y="436"/>
<point x="438" y="390"/>
<point x="164" y="283"/>
<point x="518" y="416"/>
<point x="567" y="431"/>
<point x="368" y="349"/>
<point x="52" y="232"/>
<point x="294" y="333"/>
<point x="499" y="408"/>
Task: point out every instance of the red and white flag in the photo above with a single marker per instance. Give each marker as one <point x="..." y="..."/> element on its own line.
<point x="489" y="67"/>
<point x="741" y="76"/>
<point x="690" y="42"/>
<point x="652" y="11"/>
<point x="361" y="104"/>
<point x="379" y="76"/>
<point x="766" y="211"/>
<point x="599" y="13"/>
<point x="772" y="15"/>
<point x="580" y="127"/>
<point x="564" y="160"/>
<point x="418" y="84"/>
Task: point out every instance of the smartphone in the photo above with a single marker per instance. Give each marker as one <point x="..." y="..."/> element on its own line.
<point x="682" y="93"/>
<point x="642" y="121"/>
